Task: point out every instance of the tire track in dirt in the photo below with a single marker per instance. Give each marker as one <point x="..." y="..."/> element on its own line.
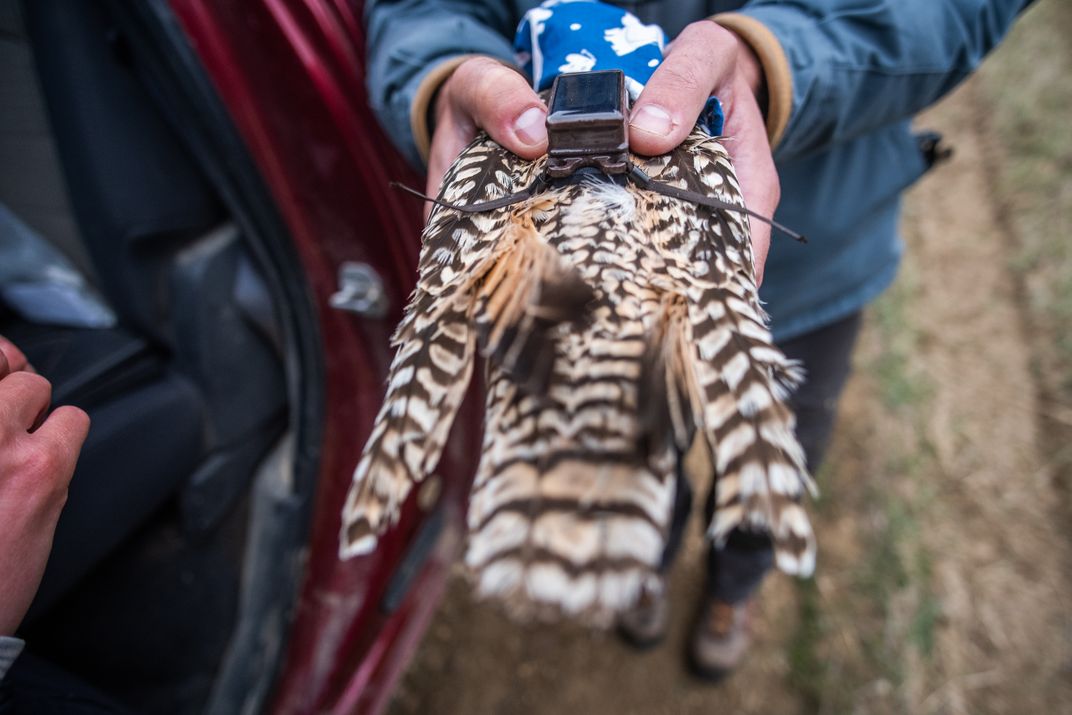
<point x="1001" y="554"/>
<point x="982" y="626"/>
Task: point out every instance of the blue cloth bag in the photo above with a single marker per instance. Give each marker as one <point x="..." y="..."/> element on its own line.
<point x="581" y="35"/>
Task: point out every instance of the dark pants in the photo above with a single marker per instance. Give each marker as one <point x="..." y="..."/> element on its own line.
<point x="737" y="569"/>
<point x="36" y="687"/>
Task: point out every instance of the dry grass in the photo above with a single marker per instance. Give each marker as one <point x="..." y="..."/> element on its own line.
<point x="948" y="468"/>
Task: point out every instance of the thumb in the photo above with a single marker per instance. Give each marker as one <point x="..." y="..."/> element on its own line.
<point x="501" y="102"/>
<point x="11" y="358"/>
<point x="698" y="62"/>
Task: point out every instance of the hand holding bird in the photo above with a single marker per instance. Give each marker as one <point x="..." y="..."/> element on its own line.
<point x="704" y="60"/>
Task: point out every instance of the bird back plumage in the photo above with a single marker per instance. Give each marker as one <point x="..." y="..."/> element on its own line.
<point x="616" y="325"/>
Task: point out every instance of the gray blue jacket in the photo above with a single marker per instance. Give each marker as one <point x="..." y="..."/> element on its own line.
<point x="845" y="78"/>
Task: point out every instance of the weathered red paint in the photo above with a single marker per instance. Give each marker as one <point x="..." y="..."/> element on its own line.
<point x="291" y="73"/>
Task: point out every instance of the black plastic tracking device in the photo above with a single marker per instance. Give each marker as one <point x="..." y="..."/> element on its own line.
<point x="588" y="124"/>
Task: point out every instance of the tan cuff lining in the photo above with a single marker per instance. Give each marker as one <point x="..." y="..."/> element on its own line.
<point x="775" y="68"/>
<point x="426" y="92"/>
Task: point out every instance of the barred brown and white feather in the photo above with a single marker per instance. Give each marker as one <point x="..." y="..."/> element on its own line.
<point x="616" y="323"/>
<point x="434" y="346"/>
<point x="567" y="514"/>
<point x="739" y="376"/>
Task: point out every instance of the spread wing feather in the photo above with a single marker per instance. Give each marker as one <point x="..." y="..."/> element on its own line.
<point x="480" y="276"/>
<point x="616" y="323"/>
<point x="736" y="374"/>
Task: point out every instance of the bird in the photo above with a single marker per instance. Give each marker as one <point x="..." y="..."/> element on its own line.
<point x="618" y="327"/>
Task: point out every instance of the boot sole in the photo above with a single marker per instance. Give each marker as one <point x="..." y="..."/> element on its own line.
<point x="639" y="642"/>
<point x="706" y="673"/>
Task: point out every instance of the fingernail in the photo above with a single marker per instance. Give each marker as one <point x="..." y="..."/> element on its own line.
<point x="530" y="127"/>
<point x="653" y="120"/>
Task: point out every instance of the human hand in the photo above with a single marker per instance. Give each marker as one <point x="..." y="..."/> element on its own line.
<point x="704" y="60"/>
<point x="483" y="93"/>
<point x="37" y="459"/>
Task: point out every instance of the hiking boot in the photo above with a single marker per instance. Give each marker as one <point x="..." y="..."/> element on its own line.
<point x="644" y="625"/>
<point x="720" y="639"/>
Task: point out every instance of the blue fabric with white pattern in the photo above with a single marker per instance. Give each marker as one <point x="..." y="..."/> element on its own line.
<point x="584" y="35"/>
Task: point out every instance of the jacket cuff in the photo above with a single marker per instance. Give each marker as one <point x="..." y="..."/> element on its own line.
<point x="9" y="650"/>
<point x="775" y="69"/>
<point x="423" y="98"/>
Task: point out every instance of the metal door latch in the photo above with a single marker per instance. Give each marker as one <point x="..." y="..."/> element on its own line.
<point x="360" y="291"/>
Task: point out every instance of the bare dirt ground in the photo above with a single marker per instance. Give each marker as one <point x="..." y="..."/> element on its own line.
<point x="945" y="575"/>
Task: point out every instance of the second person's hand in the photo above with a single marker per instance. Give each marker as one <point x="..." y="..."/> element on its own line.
<point x="38" y="452"/>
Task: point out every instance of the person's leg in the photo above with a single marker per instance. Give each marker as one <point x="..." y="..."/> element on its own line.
<point x="679" y="519"/>
<point x="737" y="569"/>
<point x="827" y="358"/>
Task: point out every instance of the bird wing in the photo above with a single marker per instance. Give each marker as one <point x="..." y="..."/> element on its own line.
<point x="483" y="282"/>
<point x="720" y="358"/>
<point x="616" y="323"/>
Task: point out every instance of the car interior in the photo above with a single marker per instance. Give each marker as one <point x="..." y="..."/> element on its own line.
<point x="153" y="568"/>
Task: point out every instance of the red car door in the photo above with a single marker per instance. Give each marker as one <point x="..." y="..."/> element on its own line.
<point x="290" y="73"/>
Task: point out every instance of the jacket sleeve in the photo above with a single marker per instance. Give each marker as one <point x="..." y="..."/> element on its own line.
<point x="9" y="651"/>
<point x="856" y="65"/>
<point x="413" y="45"/>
